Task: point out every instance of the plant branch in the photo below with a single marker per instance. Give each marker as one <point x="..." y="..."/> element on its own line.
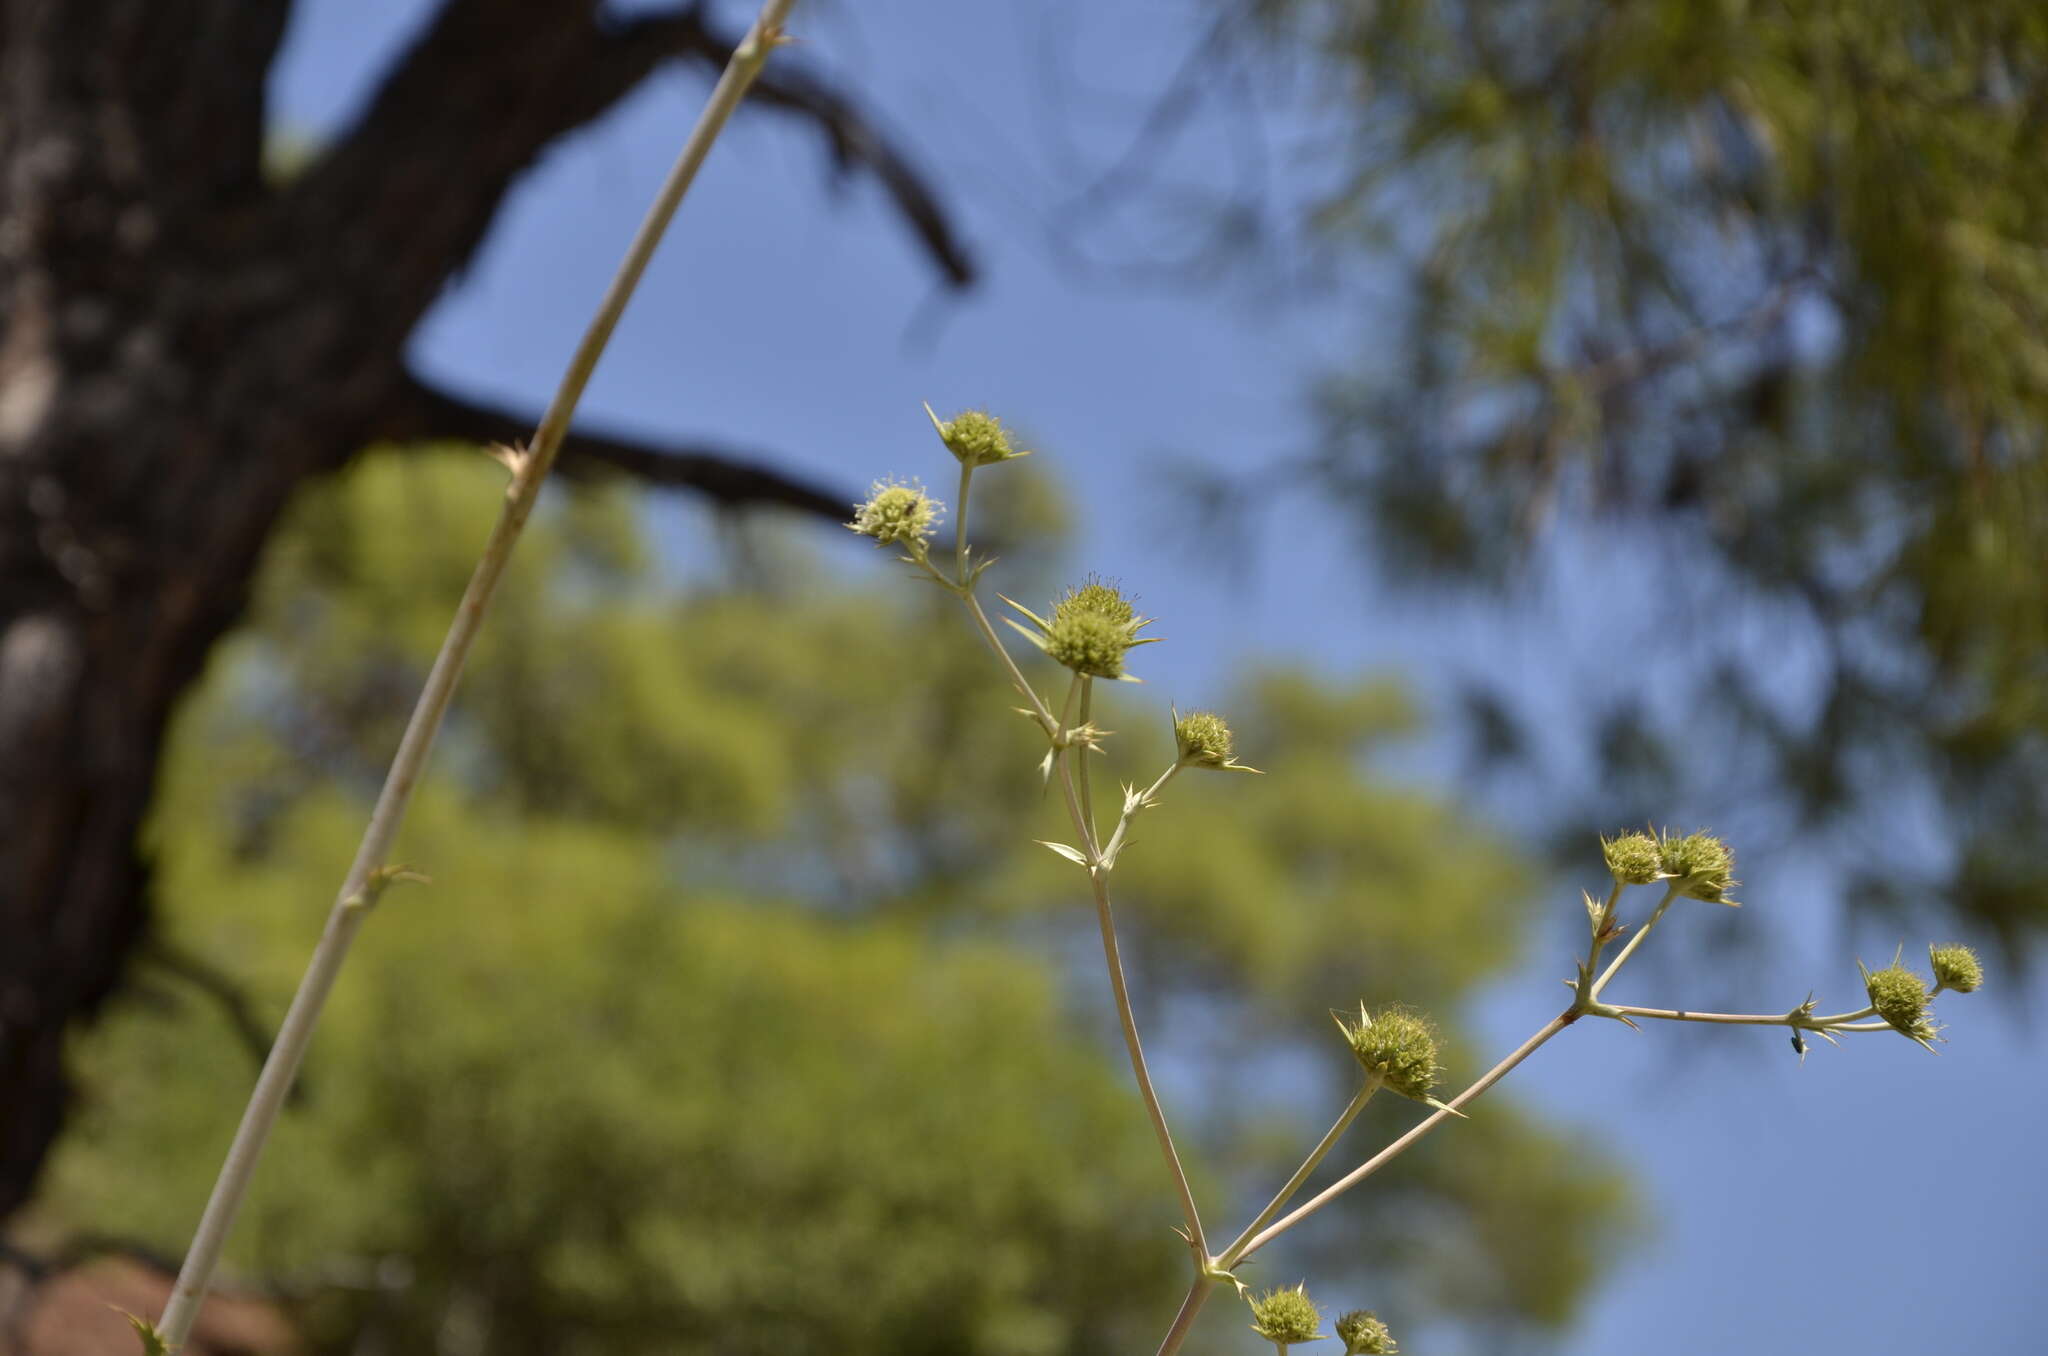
<point x="1228" y="1258"/>
<point x="1614" y="967"/>
<point x="1840" y="1021"/>
<point x="1184" y="1321"/>
<point x="1113" y="958"/>
<point x="370" y="874"/>
<point x="728" y="477"/>
<point x="1401" y="1145"/>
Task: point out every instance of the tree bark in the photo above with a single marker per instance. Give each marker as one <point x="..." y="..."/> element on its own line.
<point x="183" y="344"/>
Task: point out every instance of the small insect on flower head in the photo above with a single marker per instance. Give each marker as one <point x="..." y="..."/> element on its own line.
<point x="898" y="514"/>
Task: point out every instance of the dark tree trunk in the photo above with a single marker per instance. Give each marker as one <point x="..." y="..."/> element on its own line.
<point x="183" y="344"/>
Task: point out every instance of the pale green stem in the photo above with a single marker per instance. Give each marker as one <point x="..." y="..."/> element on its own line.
<point x="960" y="525"/>
<point x="1402" y="1145"/>
<point x="995" y="643"/>
<point x="369" y="872"/>
<point x="1839" y="1021"/>
<point x="1087" y="768"/>
<point x="1614" y="967"/>
<point x="1228" y="1258"/>
<point x="1598" y="944"/>
<point x="1113" y="958"/>
<point x="1184" y="1321"/>
<point x="1115" y="844"/>
<point x="1112" y="954"/>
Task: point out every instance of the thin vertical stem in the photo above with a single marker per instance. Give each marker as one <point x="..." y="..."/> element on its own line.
<point x="367" y="875"/>
<point x="1087" y="794"/>
<point x="1112" y="957"/>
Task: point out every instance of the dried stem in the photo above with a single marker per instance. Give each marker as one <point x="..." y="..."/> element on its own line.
<point x="369" y="874"/>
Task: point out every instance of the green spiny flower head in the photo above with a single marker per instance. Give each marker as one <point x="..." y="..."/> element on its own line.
<point x="1397" y="1049"/>
<point x="1702" y="864"/>
<point x="1100" y="597"/>
<point x="1091" y="629"/>
<point x="1956" y="967"/>
<point x="1089" y="643"/>
<point x="1204" y="739"/>
<point x="1633" y="858"/>
<point x="1901" y="998"/>
<point x="977" y="438"/>
<point x="1363" y="1334"/>
<point x="1286" y="1316"/>
<point x="897" y="513"/>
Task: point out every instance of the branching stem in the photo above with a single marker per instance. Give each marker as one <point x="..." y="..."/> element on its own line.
<point x="1614" y="968"/>
<point x="1228" y="1258"/>
<point x="369" y="872"/>
<point x="1401" y="1145"/>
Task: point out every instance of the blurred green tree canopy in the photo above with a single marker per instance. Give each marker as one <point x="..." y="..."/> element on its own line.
<point x="1769" y="281"/>
<point x="742" y="1014"/>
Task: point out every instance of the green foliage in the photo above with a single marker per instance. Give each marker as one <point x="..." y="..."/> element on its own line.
<point x="725" y="1024"/>
<point x="1768" y="279"/>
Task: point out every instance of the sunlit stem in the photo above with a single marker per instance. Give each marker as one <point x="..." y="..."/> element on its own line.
<point x="371" y="869"/>
<point x="1614" y="967"/>
<point x="1184" y="1321"/>
<point x="1840" y="1021"/>
<point x="1115" y="844"/>
<point x="960" y="525"/>
<point x="1403" y="1144"/>
<point x="1228" y="1258"/>
<point x="1087" y="777"/>
<point x="1112" y="953"/>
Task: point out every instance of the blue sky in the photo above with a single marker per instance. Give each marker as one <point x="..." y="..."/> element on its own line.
<point x="1873" y="1200"/>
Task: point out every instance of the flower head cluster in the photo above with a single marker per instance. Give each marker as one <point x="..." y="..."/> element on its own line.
<point x="1633" y="858"/>
<point x="1956" y="967"/>
<point x="1363" y="1334"/>
<point x="1397" y="1049"/>
<point x="1286" y="1315"/>
<point x="1702" y="865"/>
<point x="977" y="438"/>
<point x="1203" y="738"/>
<point x="898" y="514"/>
<point x="1900" y="997"/>
<point x="1091" y="629"/>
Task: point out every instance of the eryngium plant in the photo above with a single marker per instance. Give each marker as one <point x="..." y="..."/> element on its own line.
<point x="1090" y="631"/>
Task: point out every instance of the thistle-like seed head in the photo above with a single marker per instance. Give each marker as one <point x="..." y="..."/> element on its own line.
<point x="1100" y="597"/>
<point x="1956" y="967"/>
<point x="978" y="438"/>
<point x="1089" y="643"/>
<point x="1633" y="858"/>
<point x="1286" y="1315"/>
<point x="1397" y="1049"/>
<point x="895" y="513"/>
<point x="1363" y="1334"/>
<point x="1703" y="865"/>
<point x="1204" y="739"/>
<point x="1901" y="998"/>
